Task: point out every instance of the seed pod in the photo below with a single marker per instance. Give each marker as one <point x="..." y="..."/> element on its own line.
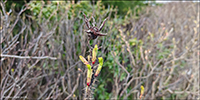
<point x="85" y="62"/>
<point x="142" y="91"/>
<point x="94" y="54"/>
<point x="89" y="76"/>
<point x="99" y="67"/>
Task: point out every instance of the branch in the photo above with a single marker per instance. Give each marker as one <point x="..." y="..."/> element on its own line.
<point x="27" y="57"/>
<point x="75" y="87"/>
<point x="128" y="47"/>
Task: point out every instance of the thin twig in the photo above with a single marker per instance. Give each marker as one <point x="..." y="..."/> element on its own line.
<point x="75" y="87"/>
<point x="28" y="57"/>
<point x="128" y="47"/>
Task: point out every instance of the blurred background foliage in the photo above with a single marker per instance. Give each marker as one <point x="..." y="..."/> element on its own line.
<point x="117" y="49"/>
<point x="122" y="6"/>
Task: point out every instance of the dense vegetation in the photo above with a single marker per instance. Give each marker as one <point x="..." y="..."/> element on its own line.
<point x="156" y="47"/>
